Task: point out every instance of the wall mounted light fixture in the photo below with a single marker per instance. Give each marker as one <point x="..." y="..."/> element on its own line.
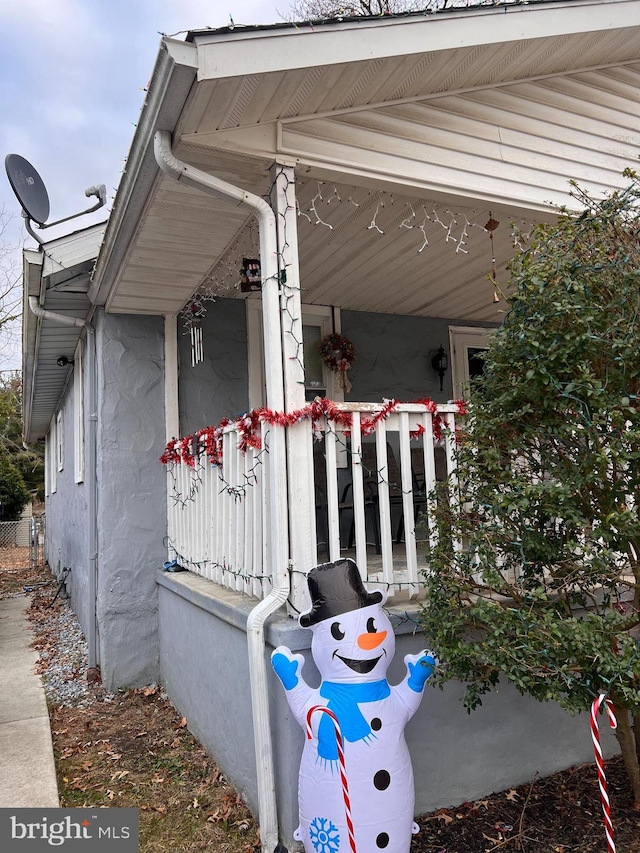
<point x="63" y="361"/>
<point x="440" y="363"/>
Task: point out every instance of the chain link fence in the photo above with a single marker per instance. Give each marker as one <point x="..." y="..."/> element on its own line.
<point x="22" y="540"/>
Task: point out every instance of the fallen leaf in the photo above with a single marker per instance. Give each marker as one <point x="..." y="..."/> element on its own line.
<point x="512" y="795"/>
<point x="119" y="774"/>
<point x="141" y="734"/>
<point x="175" y="743"/>
<point x="182" y="723"/>
<point x="149" y="691"/>
<point x="110" y="794"/>
<point x="87" y="765"/>
<point x="115" y="756"/>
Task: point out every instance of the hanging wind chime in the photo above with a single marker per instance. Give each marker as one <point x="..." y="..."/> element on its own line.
<point x="490" y="227"/>
<point x="193" y="314"/>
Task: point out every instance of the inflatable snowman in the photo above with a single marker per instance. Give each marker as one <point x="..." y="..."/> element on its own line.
<point x="355" y="791"/>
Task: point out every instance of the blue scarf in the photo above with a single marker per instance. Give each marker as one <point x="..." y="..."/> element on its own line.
<point x="343" y="701"/>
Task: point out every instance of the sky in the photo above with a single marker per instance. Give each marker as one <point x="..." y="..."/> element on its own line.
<point x="72" y="79"/>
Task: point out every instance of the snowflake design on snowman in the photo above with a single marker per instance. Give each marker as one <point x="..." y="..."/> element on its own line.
<point x="324" y="835"/>
<point x="355" y="766"/>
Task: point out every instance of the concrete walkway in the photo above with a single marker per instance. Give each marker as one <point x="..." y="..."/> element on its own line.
<point x="27" y="770"/>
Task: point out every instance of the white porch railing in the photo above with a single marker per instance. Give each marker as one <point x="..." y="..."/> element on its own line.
<point x="371" y="480"/>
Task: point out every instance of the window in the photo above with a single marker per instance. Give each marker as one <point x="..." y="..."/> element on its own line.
<point x="319" y="381"/>
<point x="51" y="446"/>
<point x="60" y="441"/>
<point x="78" y="416"/>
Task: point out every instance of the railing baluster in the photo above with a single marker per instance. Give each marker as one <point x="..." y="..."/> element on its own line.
<point x="358" y="495"/>
<point x="331" y="476"/>
<point x="384" y="506"/>
<point x="406" y="481"/>
<point x="428" y="450"/>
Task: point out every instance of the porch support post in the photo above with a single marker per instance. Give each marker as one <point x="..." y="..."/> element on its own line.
<point x="302" y="521"/>
<point x="171" y="411"/>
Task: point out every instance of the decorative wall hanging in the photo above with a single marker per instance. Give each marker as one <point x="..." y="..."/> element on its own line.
<point x="250" y="275"/>
<point x="338" y="353"/>
<point x="355" y="788"/>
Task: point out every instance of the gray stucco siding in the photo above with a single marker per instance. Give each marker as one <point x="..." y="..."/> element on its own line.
<point x="132" y="504"/>
<point x="394" y="353"/>
<point x="218" y="387"/>
<point x="67" y="518"/>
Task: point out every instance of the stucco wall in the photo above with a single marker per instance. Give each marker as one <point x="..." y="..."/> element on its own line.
<point x="218" y="387"/>
<point x="456" y="756"/>
<point x="393" y="356"/>
<point x="66" y="518"/>
<point x="132" y="503"/>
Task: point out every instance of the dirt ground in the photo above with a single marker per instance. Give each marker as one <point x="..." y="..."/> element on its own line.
<point x="133" y="749"/>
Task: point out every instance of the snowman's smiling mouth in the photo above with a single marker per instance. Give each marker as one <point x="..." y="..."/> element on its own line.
<point x="360" y="666"/>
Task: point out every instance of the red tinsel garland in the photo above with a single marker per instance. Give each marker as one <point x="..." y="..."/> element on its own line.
<point x="248" y="426"/>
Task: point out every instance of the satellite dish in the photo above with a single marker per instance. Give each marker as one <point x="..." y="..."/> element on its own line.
<point x="34" y="200"/>
<point x="28" y="187"/>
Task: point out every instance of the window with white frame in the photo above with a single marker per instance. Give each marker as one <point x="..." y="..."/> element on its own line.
<point x="319" y="381"/>
<point x="78" y="416"/>
<point x="60" y="441"/>
<point x="52" y="453"/>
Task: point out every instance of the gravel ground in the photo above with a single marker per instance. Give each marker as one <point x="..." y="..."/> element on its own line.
<point x="64" y="658"/>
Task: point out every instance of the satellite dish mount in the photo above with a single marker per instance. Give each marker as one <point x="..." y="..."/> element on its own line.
<point x="32" y="194"/>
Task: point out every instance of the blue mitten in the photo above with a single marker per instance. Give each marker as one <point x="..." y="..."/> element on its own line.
<point x="286" y="667"/>
<point x="420" y="669"/>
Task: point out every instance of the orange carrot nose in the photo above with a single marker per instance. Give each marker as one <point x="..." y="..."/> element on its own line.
<point x="371" y="641"/>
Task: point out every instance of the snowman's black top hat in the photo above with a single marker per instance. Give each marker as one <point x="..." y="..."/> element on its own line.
<point x="336" y="588"/>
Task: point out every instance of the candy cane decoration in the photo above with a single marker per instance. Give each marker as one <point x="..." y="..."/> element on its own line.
<point x="343" y="773"/>
<point x="602" y="779"/>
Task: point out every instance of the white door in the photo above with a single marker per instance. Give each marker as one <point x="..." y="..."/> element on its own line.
<point x="466" y="343"/>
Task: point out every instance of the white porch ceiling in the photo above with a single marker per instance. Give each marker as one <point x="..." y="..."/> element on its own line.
<point x="499" y="126"/>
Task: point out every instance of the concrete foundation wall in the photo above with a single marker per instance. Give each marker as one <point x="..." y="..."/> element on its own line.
<point x="132" y="502"/>
<point x="456" y="756"/>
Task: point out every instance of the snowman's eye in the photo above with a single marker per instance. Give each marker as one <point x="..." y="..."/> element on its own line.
<point x="336" y="631"/>
<point x="371" y="626"/>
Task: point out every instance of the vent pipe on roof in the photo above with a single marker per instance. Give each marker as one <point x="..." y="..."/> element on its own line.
<point x="91" y="478"/>
<point x="278" y="528"/>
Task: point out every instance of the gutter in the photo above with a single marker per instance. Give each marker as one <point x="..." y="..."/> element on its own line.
<point x="278" y="537"/>
<point x="91" y="473"/>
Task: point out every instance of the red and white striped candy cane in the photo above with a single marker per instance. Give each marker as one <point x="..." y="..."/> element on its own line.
<point x="602" y="779"/>
<point x="343" y="773"/>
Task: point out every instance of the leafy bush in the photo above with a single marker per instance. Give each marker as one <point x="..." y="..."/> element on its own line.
<point x="536" y="575"/>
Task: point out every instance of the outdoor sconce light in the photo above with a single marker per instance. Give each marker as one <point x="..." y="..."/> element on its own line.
<point x="440" y="363"/>
<point x="63" y="361"/>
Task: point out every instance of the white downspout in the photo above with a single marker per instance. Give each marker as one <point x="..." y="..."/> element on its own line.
<point x="91" y="477"/>
<point x="279" y="546"/>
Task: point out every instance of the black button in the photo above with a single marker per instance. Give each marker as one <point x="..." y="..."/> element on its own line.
<point x="382" y="840"/>
<point x="381" y="780"/>
<point x="376" y="724"/>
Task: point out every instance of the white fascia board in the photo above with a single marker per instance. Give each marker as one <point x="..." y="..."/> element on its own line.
<point x="172" y="80"/>
<point x="243" y="53"/>
<point x="76" y="248"/>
